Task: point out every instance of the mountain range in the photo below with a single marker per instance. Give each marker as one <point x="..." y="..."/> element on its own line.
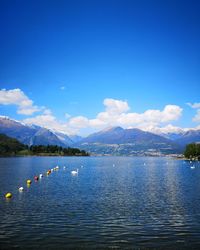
<point x="32" y="134"/>
<point x="110" y="141"/>
<point x="119" y="141"/>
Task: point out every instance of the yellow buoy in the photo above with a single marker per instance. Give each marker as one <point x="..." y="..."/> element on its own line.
<point x="28" y="182"/>
<point x="8" y="195"/>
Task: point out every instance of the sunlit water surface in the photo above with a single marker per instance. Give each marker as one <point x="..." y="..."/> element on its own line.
<point x="113" y="202"/>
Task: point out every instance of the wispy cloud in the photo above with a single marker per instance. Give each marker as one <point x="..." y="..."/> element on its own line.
<point x="18" y="98"/>
<point x="62" y="88"/>
<point x="48" y="120"/>
<point x="67" y="116"/>
<point x="196" y="118"/>
<point x="195" y="105"/>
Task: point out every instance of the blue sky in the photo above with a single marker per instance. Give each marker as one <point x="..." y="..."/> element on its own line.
<point x="68" y="57"/>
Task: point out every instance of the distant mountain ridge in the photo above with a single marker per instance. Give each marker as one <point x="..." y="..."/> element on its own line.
<point x="110" y="141"/>
<point x="128" y="142"/>
<point x="119" y="135"/>
<point x="189" y="137"/>
<point x="30" y="135"/>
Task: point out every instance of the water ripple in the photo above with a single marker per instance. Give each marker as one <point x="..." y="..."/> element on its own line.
<point x="132" y="205"/>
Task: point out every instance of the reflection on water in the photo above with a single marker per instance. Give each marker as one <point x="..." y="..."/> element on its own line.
<point x="113" y="202"/>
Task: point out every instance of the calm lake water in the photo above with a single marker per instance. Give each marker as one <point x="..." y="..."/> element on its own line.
<point x="113" y="202"/>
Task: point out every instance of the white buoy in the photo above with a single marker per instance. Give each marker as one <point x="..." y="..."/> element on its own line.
<point x="193" y="167"/>
<point x="64" y="167"/>
<point x="52" y="170"/>
<point x="21" y="189"/>
<point x="41" y="175"/>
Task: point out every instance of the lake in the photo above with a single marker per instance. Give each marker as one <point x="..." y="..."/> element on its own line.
<point x="113" y="202"/>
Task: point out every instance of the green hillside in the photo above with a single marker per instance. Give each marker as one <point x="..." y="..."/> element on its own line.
<point x="10" y="146"/>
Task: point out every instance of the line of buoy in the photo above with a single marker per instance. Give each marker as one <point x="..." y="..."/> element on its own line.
<point x="28" y="182"/>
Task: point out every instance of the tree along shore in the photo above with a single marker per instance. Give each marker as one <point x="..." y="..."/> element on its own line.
<point x="192" y="151"/>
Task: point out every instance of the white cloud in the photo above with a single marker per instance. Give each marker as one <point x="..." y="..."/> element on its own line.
<point x="195" y="105"/>
<point x="171" y="113"/>
<point x="47" y="111"/>
<point x="48" y="120"/>
<point x="164" y="130"/>
<point x="18" y="98"/>
<point x="97" y="123"/>
<point x="41" y="120"/>
<point x="116" y="114"/>
<point x="28" y="110"/>
<point x="115" y="106"/>
<point x="197" y="116"/>
<point x="79" y="122"/>
<point x="62" y="88"/>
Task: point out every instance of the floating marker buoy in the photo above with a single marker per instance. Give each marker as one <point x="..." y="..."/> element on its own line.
<point x="28" y="182"/>
<point x="36" y="178"/>
<point x="48" y="172"/>
<point x="41" y="175"/>
<point x="21" y="189"/>
<point x="64" y="167"/>
<point x="193" y="167"/>
<point x="52" y="170"/>
<point x="8" y="195"/>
